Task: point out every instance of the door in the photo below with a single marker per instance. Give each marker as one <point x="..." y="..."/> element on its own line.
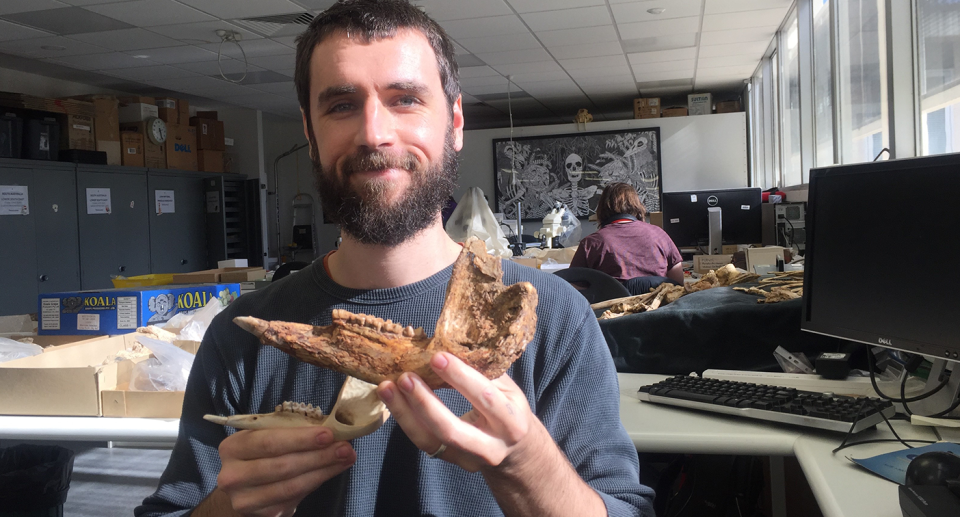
<point x="18" y="251"/>
<point x="178" y="237"/>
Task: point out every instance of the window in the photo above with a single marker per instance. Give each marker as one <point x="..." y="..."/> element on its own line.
<point x="862" y="69"/>
<point x="790" y="103"/>
<point x="823" y="83"/>
<point x="756" y="130"/>
<point x="938" y="37"/>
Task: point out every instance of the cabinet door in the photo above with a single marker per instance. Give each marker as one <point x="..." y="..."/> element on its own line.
<point x="115" y="242"/>
<point x="58" y="241"/>
<point x="18" y="251"/>
<point x="178" y="241"/>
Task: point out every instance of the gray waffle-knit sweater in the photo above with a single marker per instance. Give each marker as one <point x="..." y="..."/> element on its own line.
<point x="566" y="372"/>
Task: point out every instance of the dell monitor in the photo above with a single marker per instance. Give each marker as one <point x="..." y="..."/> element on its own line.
<point x="687" y="217"/>
<point x="881" y="240"/>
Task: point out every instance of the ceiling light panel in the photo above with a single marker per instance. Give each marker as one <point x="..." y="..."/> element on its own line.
<point x="660" y="56"/>
<point x="689" y="24"/>
<point x="761" y="18"/>
<point x="480" y="27"/>
<point x="20" y="6"/>
<point x="581" y="36"/>
<point x="737" y="36"/>
<point x="151" y="13"/>
<point x="568" y="18"/>
<point x="637" y="11"/>
<point x="68" y="20"/>
<point x="13" y="32"/>
<point x="667" y="42"/>
<point x="739" y="6"/>
<point x="177" y="55"/>
<point x="232" y="9"/>
<point x="500" y="43"/>
<point x="443" y="10"/>
<point x="527" y="6"/>
<point x="127" y="39"/>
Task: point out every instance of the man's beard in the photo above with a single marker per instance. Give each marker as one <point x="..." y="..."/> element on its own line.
<point x="367" y="214"/>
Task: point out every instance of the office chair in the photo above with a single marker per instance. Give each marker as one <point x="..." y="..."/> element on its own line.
<point x="643" y="284"/>
<point x="287" y="268"/>
<point x="595" y="286"/>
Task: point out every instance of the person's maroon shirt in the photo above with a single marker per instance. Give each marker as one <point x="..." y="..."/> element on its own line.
<point x="627" y="250"/>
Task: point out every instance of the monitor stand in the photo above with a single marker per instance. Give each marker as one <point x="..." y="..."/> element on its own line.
<point x="715" y="240"/>
<point x="943" y="398"/>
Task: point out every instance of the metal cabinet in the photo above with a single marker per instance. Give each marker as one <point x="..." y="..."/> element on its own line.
<point x="178" y="238"/>
<point x="114" y="239"/>
<point x="233" y="219"/>
<point x="38" y="250"/>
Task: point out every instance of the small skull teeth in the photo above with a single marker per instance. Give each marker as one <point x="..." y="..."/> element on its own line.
<point x="299" y="408"/>
<point x="374" y="323"/>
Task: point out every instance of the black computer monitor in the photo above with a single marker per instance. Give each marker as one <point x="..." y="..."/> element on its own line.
<point x="686" y="216"/>
<point x="883" y="239"/>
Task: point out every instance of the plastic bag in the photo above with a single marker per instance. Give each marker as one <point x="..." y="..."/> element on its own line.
<point x="167" y="371"/>
<point x="18" y="324"/>
<point x="193" y="325"/>
<point x="473" y="218"/>
<point x="34" y="477"/>
<point x="571" y="237"/>
<point x="10" y="350"/>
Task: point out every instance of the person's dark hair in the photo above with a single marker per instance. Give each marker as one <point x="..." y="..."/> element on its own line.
<point x="619" y="198"/>
<point x="371" y="20"/>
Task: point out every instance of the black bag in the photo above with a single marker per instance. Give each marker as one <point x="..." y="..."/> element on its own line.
<point x="710" y="486"/>
<point x="34" y="477"/>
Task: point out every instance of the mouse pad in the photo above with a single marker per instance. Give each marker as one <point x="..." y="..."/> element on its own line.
<point x="893" y="465"/>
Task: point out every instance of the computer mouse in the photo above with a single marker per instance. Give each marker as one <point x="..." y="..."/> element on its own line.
<point x="933" y="468"/>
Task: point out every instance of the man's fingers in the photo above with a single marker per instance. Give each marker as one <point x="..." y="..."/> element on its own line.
<point x="283" y="494"/>
<point x="264" y="471"/>
<point x="486" y="396"/>
<point x="271" y="443"/>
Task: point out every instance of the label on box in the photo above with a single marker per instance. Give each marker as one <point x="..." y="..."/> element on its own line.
<point x="127" y="312"/>
<point x="203" y="128"/>
<point x="213" y="202"/>
<point x="81" y="127"/>
<point x="50" y="314"/>
<point x="14" y="200"/>
<point x="131" y="150"/>
<point x="674" y="220"/>
<point x="165" y="202"/>
<point x="744" y="207"/>
<point x="166" y="103"/>
<point x="44" y="142"/>
<point x="98" y="201"/>
<point x="693" y="198"/>
<point x="88" y="322"/>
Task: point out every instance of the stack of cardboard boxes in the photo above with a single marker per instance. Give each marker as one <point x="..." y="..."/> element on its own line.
<point x="139" y="150"/>
<point x="181" y="144"/>
<point x="210" y="141"/>
<point x="646" y="107"/>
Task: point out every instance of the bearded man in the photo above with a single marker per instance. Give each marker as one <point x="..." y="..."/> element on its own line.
<point x="379" y="90"/>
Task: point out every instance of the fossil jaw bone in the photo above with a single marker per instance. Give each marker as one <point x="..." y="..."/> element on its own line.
<point x="357" y="412"/>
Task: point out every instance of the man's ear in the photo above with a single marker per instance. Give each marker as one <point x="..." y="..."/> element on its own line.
<point x="457" y="123"/>
<point x="306" y="133"/>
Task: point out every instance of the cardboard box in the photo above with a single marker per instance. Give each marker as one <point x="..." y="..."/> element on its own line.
<point x="107" y="125"/>
<point x="113" y="150"/>
<point x="656" y="218"/>
<point x="137" y="99"/>
<point x="648" y="107"/>
<point x="180" y="147"/>
<point x="209" y="133"/>
<point x="210" y="115"/>
<point x="154" y="156"/>
<point x="209" y="161"/>
<point x="221" y="275"/>
<point x="765" y="256"/>
<point x="728" y="107"/>
<point x="700" y="104"/>
<point x="705" y="263"/>
<point x="249" y="287"/>
<point x="233" y="263"/>
<point x="526" y="261"/>
<point x="120" y="401"/>
<point x="76" y="132"/>
<point x="183" y="107"/>
<point x="117" y="311"/>
<point x="676" y="111"/>
<point x="136" y="112"/>
<point x="131" y="149"/>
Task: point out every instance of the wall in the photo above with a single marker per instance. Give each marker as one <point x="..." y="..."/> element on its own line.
<point x="42" y="86"/>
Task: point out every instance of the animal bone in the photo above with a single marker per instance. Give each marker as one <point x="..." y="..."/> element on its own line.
<point x="357" y="412"/>
<point x="483" y="322"/>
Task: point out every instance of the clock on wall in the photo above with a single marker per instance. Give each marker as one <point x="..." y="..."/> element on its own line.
<point x="156" y="130"/>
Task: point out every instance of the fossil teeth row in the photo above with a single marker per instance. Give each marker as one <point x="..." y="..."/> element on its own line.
<point x="377" y="324"/>
<point x="299" y="408"/>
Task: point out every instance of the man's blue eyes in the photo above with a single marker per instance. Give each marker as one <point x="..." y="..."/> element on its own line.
<point x="346" y="106"/>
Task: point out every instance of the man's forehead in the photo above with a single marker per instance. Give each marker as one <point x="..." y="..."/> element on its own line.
<point x="411" y="42"/>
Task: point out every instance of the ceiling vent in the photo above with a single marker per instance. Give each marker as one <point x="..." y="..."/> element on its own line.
<point x="268" y="26"/>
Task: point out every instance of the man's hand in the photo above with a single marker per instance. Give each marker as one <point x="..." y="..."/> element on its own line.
<point x="268" y="472"/>
<point x="499" y="426"/>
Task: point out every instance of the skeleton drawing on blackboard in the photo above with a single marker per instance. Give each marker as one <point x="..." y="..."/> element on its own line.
<point x="572" y="195"/>
<point x="527" y="176"/>
<point x="633" y="159"/>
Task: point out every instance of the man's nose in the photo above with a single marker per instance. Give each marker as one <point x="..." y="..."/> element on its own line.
<point x="377" y="126"/>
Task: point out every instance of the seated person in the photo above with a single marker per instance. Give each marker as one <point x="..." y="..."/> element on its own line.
<point x="625" y="247"/>
<point x="379" y="87"/>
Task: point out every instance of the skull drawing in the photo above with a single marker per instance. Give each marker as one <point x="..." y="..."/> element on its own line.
<point x="574" y="166"/>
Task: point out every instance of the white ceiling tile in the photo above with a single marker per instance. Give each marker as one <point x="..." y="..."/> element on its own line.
<point x="663" y="42"/>
<point x="637" y="11"/>
<point x="289" y="72"/>
<point x="601" y="79"/>
<point x="286" y="88"/>
<point x="59" y="47"/>
<point x="234" y="9"/>
<point x="12" y="31"/>
<point x="493" y="88"/>
<point x="211" y="68"/>
<point x="480" y="27"/>
<point x="22" y="6"/>
<point x="443" y="10"/>
<point x="661" y="56"/>
<point x="275" y="63"/>
<point x="468" y="99"/>
<point x="252" y="48"/>
<point x="728" y="72"/>
<point x="146" y="74"/>
<point x="315" y="5"/>
<point x="203" y="86"/>
<point x="150" y="13"/>
<point x="487" y="80"/>
<point x="607" y="48"/>
<point x="538" y="77"/>
<point x="659" y="28"/>
<point x="289" y="41"/>
<point x="477" y="71"/>
<point x="581" y="36"/>
<point x="552" y="89"/>
<point x="528" y="6"/>
<point x="607" y="90"/>
<point x="590" y="73"/>
<point x="734" y="6"/>
<point x="515" y="56"/>
<point x="755" y="48"/>
<point x="176" y="55"/>
<point x="714" y="62"/>
<point x="684" y="65"/>
<point x="501" y="43"/>
<point x="106" y="61"/>
<point x="527" y="68"/>
<point x="737" y="36"/>
<point x="89" y="2"/>
<point x="587" y="63"/>
<point x="126" y="39"/>
<point x="199" y="33"/>
<point x="643" y="76"/>
<point x="727" y="21"/>
<point x="568" y="18"/>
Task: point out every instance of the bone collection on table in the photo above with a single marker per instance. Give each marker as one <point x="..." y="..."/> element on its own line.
<point x="483" y="322"/>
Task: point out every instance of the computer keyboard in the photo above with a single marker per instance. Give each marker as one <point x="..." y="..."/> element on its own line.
<point x="773" y="403"/>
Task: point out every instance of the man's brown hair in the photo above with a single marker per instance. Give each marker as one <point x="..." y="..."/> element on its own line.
<point x="619" y="198"/>
<point x="371" y="20"/>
